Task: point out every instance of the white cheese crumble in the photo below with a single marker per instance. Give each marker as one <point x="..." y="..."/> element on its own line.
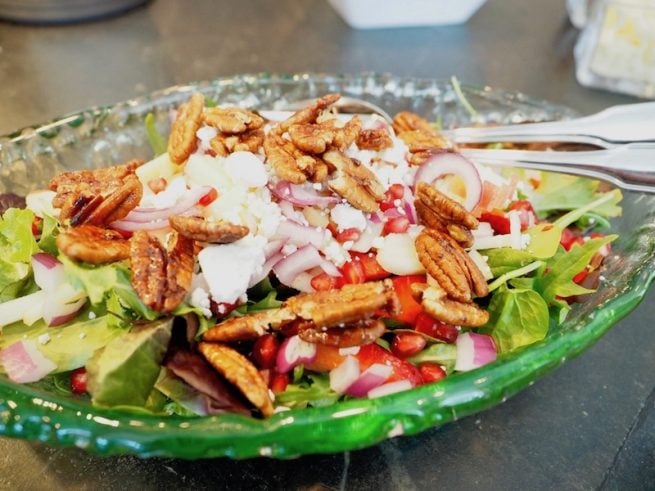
<point x="345" y="217"/>
<point x="44" y="338"/>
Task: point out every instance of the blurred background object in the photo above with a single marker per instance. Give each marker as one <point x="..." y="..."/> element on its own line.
<point x="616" y="49"/>
<point x="370" y="14"/>
<point x="62" y="11"/>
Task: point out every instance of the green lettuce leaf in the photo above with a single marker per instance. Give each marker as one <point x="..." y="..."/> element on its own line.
<point x="68" y="346"/>
<point x="441" y="353"/>
<point x="517" y="317"/>
<point x="124" y="372"/>
<point x="157" y="142"/>
<point x="49" y="232"/>
<point x="17" y="243"/>
<point x="505" y="259"/>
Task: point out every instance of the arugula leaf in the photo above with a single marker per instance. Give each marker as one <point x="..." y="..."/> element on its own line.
<point x="518" y="317"/>
<point x="157" y="142"/>
<point x="557" y="279"/>
<point x="564" y="192"/>
<point x="314" y="392"/>
<point x="517" y="273"/>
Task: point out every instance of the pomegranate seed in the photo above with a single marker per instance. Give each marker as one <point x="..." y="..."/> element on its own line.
<point x="279" y="382"/>
<point x="431" y="372"/>
<point x="398" y="225"/>
<point x="157" y="185"/>
<point x="36" y="226"/>
<point x="395" y="191"/>
<point x="208" y="198"/>
<point x="351" y="234"/>
<point x="436" y="329"/>
<point x="265" y="350"/>
<point x="406" y="344"/>
<point x="78" y="380"/>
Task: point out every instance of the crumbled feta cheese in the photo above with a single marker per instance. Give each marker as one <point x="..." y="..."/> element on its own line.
<point x="334" y="252"/>
<point x="200" y="299"/>
<point x="345" y="217"/>
<point x="245" y="167"/>
<point x="228" y="268"/>
<point x="44" y="338"/>
<point x="92" y="315"/>
<point x="82" y="335"/>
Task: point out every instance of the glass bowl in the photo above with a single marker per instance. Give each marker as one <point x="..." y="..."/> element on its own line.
<point x="109" y="135"/>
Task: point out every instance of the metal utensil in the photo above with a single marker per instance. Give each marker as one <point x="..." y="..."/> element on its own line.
<point x="614" y="126"/>
<point x="630" y="167"/>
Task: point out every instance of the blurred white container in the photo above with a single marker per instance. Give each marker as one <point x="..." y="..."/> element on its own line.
<point x="375" y="14"/>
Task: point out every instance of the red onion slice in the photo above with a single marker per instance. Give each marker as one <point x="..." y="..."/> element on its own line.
<point x="266" y="268"/>
<point x="450" y="163"/>
<point x="57" y="313"/>
<point x="300" y="235"/>
<point x="301" y="194"/>
<point x="305" y="258"/>
<point x="390" y="388"/>
<point x="130" y="226"/>
<point x="343" y="376"/>
<point x="474" y="350"/>
<point x="372" y="377"/>
<point x="49" y="273"/>
<point x="294" y="351"/>
<point x="152" y="214"/>
<point x="24" y="363"/>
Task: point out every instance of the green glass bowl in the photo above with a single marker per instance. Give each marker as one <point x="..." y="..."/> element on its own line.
<point x="109" y="135"/>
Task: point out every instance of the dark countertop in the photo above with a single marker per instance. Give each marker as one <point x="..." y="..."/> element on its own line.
<point x="588" y="425"/>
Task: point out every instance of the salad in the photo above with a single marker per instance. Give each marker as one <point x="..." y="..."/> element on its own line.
<point x="264" y="261"/>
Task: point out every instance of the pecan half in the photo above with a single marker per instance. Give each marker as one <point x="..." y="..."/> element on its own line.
<point x="248" y="326"/>
<point x="419" y="135"/>
<point x="93" y="245"/>
<point x="249" y="141"/>
<point x="308" y="114"/>
<point x="450" y="265"/>
<point x="182" y="140"/>
<point x="354" y="182"/>
<point x="201" y="229"/>
<point x="437" y="304"/>
<point x="102" y="211"/>
<point x="287" y="161"/>
<point x="161" y="279"/>
<point x="238" y="370"/>
<point x="374" y="139"/>
<point x="360" y="333"/>
<point x="232" y="120"/>
<point x="437" y="211"/>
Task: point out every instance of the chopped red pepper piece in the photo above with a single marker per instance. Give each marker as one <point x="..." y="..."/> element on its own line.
<point x="409" y="307"/>
<point x="402" y="370"/>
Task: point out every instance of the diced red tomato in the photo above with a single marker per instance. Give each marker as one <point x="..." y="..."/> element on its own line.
<point x="353" y="273"/>
<point x="279" y="382"/>
<point x="157" y="185"/>
<point x="396" y="225"/>
<point x="264" y="351"/>
<point x="327" y="358"/>
<point x="498" y="221"/>
<point x="436" y="329"/>
<point x="431" y="372"/>
<point x="372" y="269"/>
<point x="569" y="238"/>
<point x="406" y="344"/>
<point x="208" y="198"/>
<point x="78" y="380"/>
<point x="323" y="282"/>
<point x="409" y="307"/>
<point x="351" y="234"/>
<point x="402" y="370"/>
<point x="526" y="212"/>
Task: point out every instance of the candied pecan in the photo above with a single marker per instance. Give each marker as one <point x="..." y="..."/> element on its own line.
<point x="225" y="144"/>
<point x="93" y="245"/>
<point x="409" y="121"/>
<point x="351" y="303"/>
<point x="419" y="135"/>
<point x="285" y="159"/>
<point x="445" y="260"/>
<point x="104" y="210"/>
<point x="437" y="304"/>
<point x="374" y="139"/>
<point x="308" y="114"/>
<point x="363" y="332"/>
<point x="238" y="370"/>
<point x="461" y="234"/>
<point x="76" y="189"/>
<point x="354" y="182"/>
<point x="233" y="120"/>
<point x="444" y="207"/>
<point x="179" y="272"/>
<point x="199" y="228"/>
<point x="312" y="138"/>
<point x="182" y="140"/>
<point x="161" y="278"/>
<point x="249" y="326"/>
